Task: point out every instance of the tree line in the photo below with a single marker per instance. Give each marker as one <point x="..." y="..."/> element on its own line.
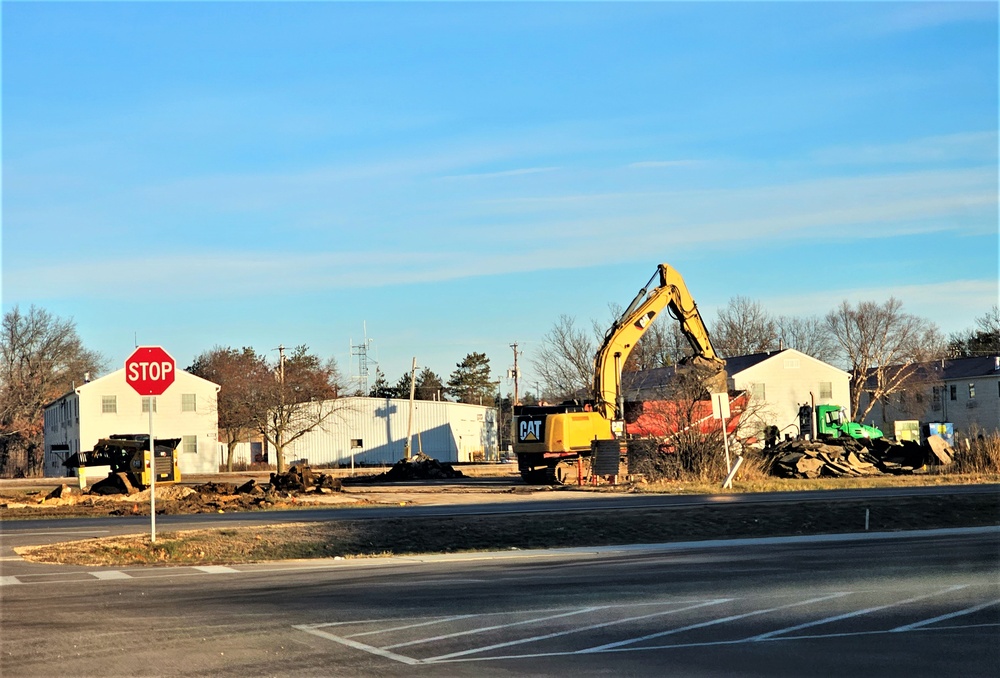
<point x="279" y="399"/>
<point x="879" y="344"/>
<point x="42" y="358"/>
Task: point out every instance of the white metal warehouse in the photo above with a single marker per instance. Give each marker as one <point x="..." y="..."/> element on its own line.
<point x="373" y="431"/>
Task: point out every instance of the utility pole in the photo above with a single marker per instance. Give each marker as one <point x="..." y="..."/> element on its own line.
<point x="517" y="375"/>
<point x="409" y="424"/>
<point x="279" y="424"/>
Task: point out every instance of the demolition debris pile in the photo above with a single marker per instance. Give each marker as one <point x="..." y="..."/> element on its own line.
<point x="420" y="467"/>
<point x="838" y="457"/>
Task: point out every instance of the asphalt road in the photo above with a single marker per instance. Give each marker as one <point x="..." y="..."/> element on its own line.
<point x="882" y="605"/>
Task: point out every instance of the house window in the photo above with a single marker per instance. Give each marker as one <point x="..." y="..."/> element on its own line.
<point x="826" y="389"/>
<point x="757" y="391"/>
<point x="109" y="404"/>
<point x="356" y="443"/>
<point x="189" y="444"/>
<point x="145" y="404"/>
<point x="972" y="391"/>
<point x="954" y="392"/>
<point x="188" y="402"/>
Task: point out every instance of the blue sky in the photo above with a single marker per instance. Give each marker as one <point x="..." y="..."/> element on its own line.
<point x="456" y="176"/>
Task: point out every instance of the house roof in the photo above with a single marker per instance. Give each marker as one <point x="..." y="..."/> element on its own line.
<point x="737" y="364"/>
<point x="961" y="368"/>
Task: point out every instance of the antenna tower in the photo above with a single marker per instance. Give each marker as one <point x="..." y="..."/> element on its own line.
<point x="361" y="352"/>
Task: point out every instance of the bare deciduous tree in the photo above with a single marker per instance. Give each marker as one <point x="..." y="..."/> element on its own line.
<point x="299" y="399"/>
<point x="810" y="335"/>
<point x="881" y="346"/>
<point x="743" y="327"/>
<point x="41" y="356"/>
<point x="565" y="362"/>
<point x="240" y="374"/>
<point x="984" y="339"/>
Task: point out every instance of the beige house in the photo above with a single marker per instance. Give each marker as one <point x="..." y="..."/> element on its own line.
<point x="778" y="383"/>
<point x="97" y="409"/>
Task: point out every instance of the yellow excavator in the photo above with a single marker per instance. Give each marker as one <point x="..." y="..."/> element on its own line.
<point x="568" y="442"/>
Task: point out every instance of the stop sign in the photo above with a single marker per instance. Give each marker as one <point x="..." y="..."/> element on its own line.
<point x="149" y="370"/>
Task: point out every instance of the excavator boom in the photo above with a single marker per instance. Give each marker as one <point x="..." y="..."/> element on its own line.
<point x="666" y="289"/>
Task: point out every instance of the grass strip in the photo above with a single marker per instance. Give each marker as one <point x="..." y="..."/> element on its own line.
<point x="453" y="534"/>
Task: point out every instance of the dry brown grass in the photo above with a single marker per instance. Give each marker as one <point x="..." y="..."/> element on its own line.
<point x="981" y="455"/>
<point x="401" y="536"/>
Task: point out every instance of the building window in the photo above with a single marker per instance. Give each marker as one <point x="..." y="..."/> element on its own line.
<point x="109" y="404"/>
<point x="145" y="405"/>
<point x="356" y="443"/>
<point x="954" y="392"/>
<point x="826" y="389"/>
<point x="189" y="444"/>
<point x="188" y="402"/>
<point x="757" y="391"/>
<point x="972" y="391"/>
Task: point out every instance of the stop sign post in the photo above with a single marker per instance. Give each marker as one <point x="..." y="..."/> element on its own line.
<point x="150" y="371"/>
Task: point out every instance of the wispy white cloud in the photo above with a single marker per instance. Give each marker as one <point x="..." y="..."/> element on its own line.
<point x="974" y="147"/>
<point x="650" y="164"/>
<point x="951" y="305"/>
<point x="916" y="16"/>
<point x="504" y="173"/>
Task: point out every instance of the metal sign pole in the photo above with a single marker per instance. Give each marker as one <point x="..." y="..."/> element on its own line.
<point x="152" y="474"/>
<point x="725" y="442"/>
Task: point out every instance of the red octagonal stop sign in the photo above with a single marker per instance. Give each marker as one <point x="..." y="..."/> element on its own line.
<point x="150" y="370"/>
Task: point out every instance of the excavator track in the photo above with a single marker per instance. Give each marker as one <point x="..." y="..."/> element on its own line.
<point x="569" y="472"/>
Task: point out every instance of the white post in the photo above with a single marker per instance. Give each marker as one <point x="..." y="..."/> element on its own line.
<point x="152" y="473"/>
<point x="725" y="442"/>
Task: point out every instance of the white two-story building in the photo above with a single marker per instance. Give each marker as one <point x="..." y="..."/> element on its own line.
<point x="100" y="408"/>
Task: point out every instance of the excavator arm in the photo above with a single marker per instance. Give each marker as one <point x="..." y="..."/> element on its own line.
<point x="670" y="292"/>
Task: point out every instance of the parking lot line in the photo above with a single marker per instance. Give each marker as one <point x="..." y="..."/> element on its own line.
<point x="711" y="622"/>
<point x="943" y="617"/>
<point x="358" y="646"/>
<point x="521" y="641"/>
<point x="484" y="629"/>
<point x="849" y="615"/>
<point x="432" y="622"/>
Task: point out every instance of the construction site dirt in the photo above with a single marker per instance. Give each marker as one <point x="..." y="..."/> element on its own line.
<point x="428" y="483"/>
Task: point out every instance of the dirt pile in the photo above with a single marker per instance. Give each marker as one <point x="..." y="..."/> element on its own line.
<point x="420" y="467"/>
<point x="848" y="457"/>
<point x="302" y="479"/>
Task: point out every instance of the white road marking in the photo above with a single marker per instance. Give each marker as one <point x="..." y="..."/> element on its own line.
<point x="711" y="622"/>
<point x="359" y="646"/>
<point x="943" y="617"/>
<point x="849" y="615"/>
<point x="110" y="574"/>
<point x="483" y="629"/>
<point x="7" y="581"/>
<point x="533" y="639"/>
<point x="432" y="622"/>
<point x="214" y="569"/>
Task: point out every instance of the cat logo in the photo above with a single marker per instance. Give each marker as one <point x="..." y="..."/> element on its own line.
<point x="529" y="430"/>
